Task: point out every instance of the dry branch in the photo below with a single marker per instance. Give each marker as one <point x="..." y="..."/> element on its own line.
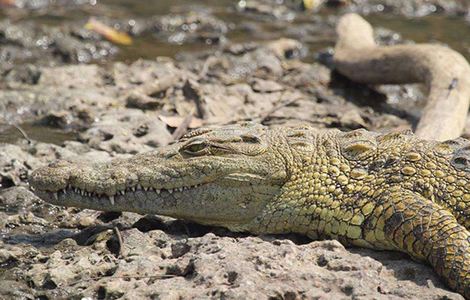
<point x="445" y="73"/>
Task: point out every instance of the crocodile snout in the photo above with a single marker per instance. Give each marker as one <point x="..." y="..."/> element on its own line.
<point x="52" y="177"/>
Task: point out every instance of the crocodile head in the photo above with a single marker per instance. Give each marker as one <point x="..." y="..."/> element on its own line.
<point x="221" y="176"/>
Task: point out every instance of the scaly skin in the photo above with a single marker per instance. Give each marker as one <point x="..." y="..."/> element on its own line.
<point x="389" y="191"/>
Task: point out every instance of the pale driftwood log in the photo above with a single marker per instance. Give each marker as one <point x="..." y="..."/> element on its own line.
<point x="445" y="73"/>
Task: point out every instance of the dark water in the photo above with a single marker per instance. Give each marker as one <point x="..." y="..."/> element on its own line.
<point x="11" y="134"/>
<point x="453" y="31"/>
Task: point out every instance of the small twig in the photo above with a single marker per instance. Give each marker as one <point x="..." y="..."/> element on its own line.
<point x="183" y="126"/>
<point x="207" y="64"/>
<point x="191" y="92"/>
<point x="161" y="276"/>
<point x="188" y="233"/>
<point x="23" y="133"/>
<point x="263" y="117"/>
<point x="120" y="241"/>
<point x="266" y="115"/>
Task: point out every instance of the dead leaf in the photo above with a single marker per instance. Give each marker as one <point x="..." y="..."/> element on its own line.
<point x="8" y="3"/>
<point x="175" y="121"/>
<point x="310" y="4"/>
<point x="108" y="33"/>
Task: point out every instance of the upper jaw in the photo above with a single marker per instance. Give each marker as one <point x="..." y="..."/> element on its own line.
<point x="147" y="173"/>
<point x="78" y="196"/>
<point x="67" y="185"/>
<point x="123" y="176"/>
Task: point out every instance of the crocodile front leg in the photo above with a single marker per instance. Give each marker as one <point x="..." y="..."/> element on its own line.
<point x="410" y="223"/>
<point x="395" y="219"/>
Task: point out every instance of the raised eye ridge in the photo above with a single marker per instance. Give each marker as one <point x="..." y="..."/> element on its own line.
<point x="358" y="150"/>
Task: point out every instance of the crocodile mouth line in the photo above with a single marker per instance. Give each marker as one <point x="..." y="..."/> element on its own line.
<point x="71" y="190"/>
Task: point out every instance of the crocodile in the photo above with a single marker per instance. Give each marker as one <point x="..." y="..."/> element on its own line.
<point x="390" y="191"/>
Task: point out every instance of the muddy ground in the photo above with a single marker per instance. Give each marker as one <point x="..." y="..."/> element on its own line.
<point x="80" y="97"/>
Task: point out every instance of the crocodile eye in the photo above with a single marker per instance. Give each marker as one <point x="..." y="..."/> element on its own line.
<point x="195" y="148"/>
<point x="461" y="163"/>
<point x="461" y="159"/>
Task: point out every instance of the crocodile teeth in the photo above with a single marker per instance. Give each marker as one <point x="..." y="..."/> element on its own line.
<point x="111" y="200"/>
<point x="146" y="188"/>
<point x="139" y="187"/>
<point x="158" y="191"/>
<point x="170" y="191"/>
<point x="181" y="189"/>
<point x="133" y="188"/>
<point x="122" y="192"/>
<point x="56" y="196"/>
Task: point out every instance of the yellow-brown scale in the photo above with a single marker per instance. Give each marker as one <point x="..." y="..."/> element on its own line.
<point x="390" y="192"/>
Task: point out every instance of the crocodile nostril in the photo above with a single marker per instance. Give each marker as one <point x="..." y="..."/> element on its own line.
<point x="58" y="164"/>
